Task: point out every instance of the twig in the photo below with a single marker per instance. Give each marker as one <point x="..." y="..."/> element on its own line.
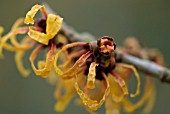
<point x="146" y="66"/>
<point x="157" y="71"/>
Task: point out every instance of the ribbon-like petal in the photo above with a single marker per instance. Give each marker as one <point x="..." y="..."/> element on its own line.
<point x="91" y="76"/>
<point x="71" y="72"/>
<point x="48" y="64"/>
<point x="53" y="26"/>
<point x="92" y="104"/>
<point x="30" y="15"/>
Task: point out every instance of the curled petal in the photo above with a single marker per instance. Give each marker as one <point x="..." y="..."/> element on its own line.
<point x="30" y="15"/>
<point x="151" y="100"/>
<point x="92" y="104"/>
<point x="67" y="85"/>
<point x="19" y="55"/>
<point x="148" y="98"/>
<point x="5" y="45"/>
<point x="58" y="89"/>
<point x="136" y="75"/>
<point x="3" y="42"/>
<point x="17" y="25"/>
<point x="21" y="30"/>
<point x="62" y="104"/>
<point x="71" y="71"/>
<point x="18" y="59"/>
<point x="99" y="90"/>
<point x="22" y="46"/>
<point x="91" y="76"/>
<point x="38" y="36"/>
<point x="9" y="48"/>
<point x="53" y="26"/>
<point x="54" y="23"/>
<point x="115" y="89"/>
<point x="48" y="64"/>
<point x="16" y="29"/>
<point x="19" y="46"/>
<point x="62" y="101"/>
<point x="71" y="57"/>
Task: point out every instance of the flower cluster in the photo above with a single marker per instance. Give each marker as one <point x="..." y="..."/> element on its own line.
<point x="44" y="33"/>
<point x="95" y="70"/>
<point x="87" y="69"/>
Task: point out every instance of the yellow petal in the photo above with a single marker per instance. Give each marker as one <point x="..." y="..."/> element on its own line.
<point x="92" y="104"/>
<point x="38" y="36"/>
<point x="71" y="71"/>
<point x="48" y="64"/>
<point x="18" y="60"/>
<point x="13" y="48"/>
<point x="54" y="23"/>
<point x="58" y="90"/>
<point x="9" y="47"/>
<point x="13" y="39"/>
<point x="67" y="85"/>
<point x="147" y="99"/>
<point x="91" y="76"/>
<point x="21" y="30"/>
<point x="22" y="46"/>
<point x="99" y="90"/>
<point x="152" y="98"/>
<point x="136" y="75"/>
<point x="19" y="55"/>
<point x="30" y="15"/>
<point x="3" y="42"/>
<point x="15" y="30"/>
<point x="70" y="58"/>
<point x="53" y="26"/>
<point x="63" y="100"/>
<point x="118" y="88"/>
<point x="62" y="104"/>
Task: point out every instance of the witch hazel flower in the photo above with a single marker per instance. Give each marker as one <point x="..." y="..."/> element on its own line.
<point x="95" y="61"/>
<point x="44" y="35"/>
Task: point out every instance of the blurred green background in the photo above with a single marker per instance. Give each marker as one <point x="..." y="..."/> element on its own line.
<point x="148" y="20"/>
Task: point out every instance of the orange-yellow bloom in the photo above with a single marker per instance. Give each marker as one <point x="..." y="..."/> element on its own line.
<point x="53" y="25"/>
<point x="97" y="62"/>
<point x="44" y="32"/>
<point x="18" y="47"/>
